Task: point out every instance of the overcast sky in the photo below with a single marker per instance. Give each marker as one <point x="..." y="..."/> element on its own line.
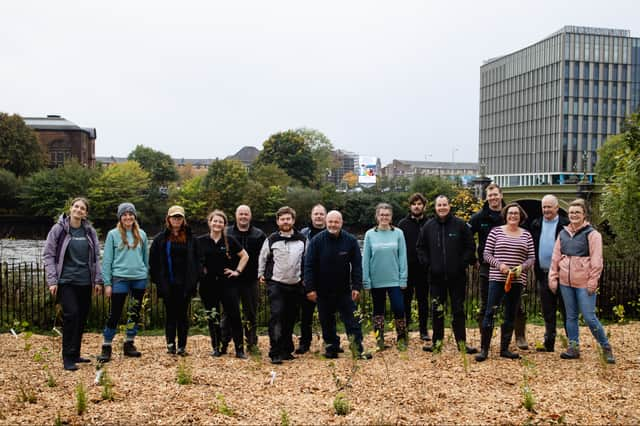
<point x="202" y="79"/>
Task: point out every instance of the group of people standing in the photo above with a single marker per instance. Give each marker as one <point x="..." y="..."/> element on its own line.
<point x="322" y="266"/>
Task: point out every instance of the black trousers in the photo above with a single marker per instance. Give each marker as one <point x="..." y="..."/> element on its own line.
<point x="455" y="289"/>
<point x="177" y="318"/>
<point x="417" y="286"/>
<point x="483" y="284"/>
<point x="550" y="304"/>
<point x="328" y="306"/>
<point x="307" y="308"/>
<point x="248" y="294"/>
<point x="222" y="294"/>
<point x="284" y="301"/>
<point x="76" y="304"/>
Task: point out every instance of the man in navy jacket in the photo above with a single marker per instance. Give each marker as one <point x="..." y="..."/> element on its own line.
<point x="333" y="279"/>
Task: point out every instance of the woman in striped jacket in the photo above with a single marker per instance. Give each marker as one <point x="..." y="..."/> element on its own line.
<point x="510" y="253"/>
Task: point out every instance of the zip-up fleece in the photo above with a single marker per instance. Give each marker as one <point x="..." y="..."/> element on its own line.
<point x="56" y="247"/>
<point x="446" y="247"/>
<point x="482" y="223"/>
<point x="281" y="258"/>
<point x="411" y="227"/>
<point x="582" y="270"/>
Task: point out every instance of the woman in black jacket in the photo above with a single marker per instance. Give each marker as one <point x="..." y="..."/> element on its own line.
<point x="174" y="265"/>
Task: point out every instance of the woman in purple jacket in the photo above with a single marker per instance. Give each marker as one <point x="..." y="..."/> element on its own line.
<point x="71" y="261"/>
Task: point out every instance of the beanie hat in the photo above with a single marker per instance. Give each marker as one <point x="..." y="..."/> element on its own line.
<point x="126" y="208"/>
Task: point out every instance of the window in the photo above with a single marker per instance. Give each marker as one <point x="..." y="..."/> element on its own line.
<point x="605" y="106"/>
<point x="566" y="88"/>
<point x="576" y="70"/>
<point x="614" y="72"/>
<point x="614" y="90"/>
<point x="585" y="89"/>
<point x="596" y="71"/>
<point x="603" y="125"/>
<point x="595" y="90"/>
<point x="623" y="72"/>
<point x="594" y="125"/>
<point x="566" y="69"/>
<point x="574" y="124"/>
<point x="605" y="90"/>
<point x="585" y="124"/>
<point x="595" y="108"/>
<point x="605" y="72"/>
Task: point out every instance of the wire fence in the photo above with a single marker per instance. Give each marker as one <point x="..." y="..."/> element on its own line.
<point x="24" y="297"/>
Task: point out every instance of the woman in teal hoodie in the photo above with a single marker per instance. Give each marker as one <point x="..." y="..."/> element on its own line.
<point x="384" y="269"/>
<point x="125" y="269"/>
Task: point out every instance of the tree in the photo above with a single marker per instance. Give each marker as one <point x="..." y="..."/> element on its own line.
<point x="47" y="192"/>
<point x="191" y="196"/>
<point x="20" y="152"/>
<point x="321" y="151"/>
<point x="289" y="151"/>
<point x="116" y="184"/>
<point x="620" y="204"/>
<point x="431" y="187"/>
<point x="270" y="174"/>
<point x="350" y="179"/>
<point x="9" y="188"/>
<point x="160" y="166"/>
<point x="225" y="184"/>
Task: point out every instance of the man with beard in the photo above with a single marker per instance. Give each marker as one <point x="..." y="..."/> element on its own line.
<point x="280" y="268"/>
<point x="417" y="278"/>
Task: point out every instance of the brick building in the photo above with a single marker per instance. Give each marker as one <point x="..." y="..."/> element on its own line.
<point x="62" y="140"/>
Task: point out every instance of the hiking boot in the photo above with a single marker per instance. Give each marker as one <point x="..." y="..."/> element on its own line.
<point x="572" y="352"/>
<point x="522" y="343"/>
<point x="331" y="355"/>
<point x="240" y="354"/>
<point x="182" y="352"/>
<point x="129" y="349"/>
<point x="469" y="350"/>
<point x="607" y="354"/>
<point x="82" y="360"/>
<point x="105" y="355"/>
<point x="171" y="348"/>
<point x="276" y="359"/>
<point x="425" y="337"/>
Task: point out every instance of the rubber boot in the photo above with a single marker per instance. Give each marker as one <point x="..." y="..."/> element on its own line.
<point x="505" y="339"/>
<point x="105" y="355"/>
<point x="519" y="327"/>
<point x="401" y="331"/>
<point x="129" y="349"/>
<point x="378" y="328"/>
<point x="485" y="342"/>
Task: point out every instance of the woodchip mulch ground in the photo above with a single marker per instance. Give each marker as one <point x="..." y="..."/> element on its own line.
<point x="412" y="387"/>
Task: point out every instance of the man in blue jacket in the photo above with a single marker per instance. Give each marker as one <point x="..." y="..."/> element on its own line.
<point x="333" y="279"/>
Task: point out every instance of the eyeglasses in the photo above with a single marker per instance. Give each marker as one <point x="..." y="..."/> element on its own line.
<point x="513" y="213"/>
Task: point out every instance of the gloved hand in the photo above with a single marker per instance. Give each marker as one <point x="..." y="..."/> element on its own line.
<point x="516" y="270"/>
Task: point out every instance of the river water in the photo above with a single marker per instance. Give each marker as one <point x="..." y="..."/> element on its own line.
<point x="12" y="250"/>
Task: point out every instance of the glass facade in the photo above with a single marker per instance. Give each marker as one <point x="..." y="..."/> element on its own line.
<point x="546" y="109"/>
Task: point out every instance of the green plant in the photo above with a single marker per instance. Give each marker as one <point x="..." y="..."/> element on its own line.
<point x="223" y="407"/>
<point x="184" y="376"/>
<point x="81" y="398"/>
<point x="26" y="393"/>
<point x="37" y="357"/>
<point x="437" y="347"/>
<point x="528" y="400"/>
<point x="51" y="380"/>
<point x="107" y="386"/>
<point x="462" y="347"/>
<point x="618" y="311"/>
<point x="341" y="404"/>
<point x="284" y="418"/>
<point x="563" y="341"/>
<point x="58" y="420"/>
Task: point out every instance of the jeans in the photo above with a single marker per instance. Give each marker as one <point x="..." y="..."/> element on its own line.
<point x="495" y="298"/>
<point x="328" y="305"/>
<point x="76" y="303"/>
<point x="456" y="290"/>
<point x="284" y="301"/>
<point x="579" y="299"/>
<point x="417" y="283"/>
<point x="395" y="297"/>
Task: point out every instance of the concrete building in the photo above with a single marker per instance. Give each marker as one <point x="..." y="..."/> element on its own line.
<point x="62" y="140"/>
<point x="345" y="162"/>
<point x="410" y="169"/>
<point x="547" y="108"/>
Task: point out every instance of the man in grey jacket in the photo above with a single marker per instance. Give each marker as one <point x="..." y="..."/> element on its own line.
<point x="280" y="268"/>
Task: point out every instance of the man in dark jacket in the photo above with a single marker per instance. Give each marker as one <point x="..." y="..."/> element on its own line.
<point x="333" y="279"/>
<point x="544" y="231"/>
<point x="417" y="278"/>
<point x="307" y="307"/>
<point x="251" y="239"/>
<point x="445" y="247"/>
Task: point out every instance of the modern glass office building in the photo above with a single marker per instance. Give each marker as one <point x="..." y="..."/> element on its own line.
<point x="546" y="109"/>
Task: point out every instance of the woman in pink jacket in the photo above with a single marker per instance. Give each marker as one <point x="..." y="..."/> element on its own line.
<point x="576" y="264"/>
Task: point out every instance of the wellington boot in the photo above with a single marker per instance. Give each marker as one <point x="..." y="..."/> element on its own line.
<point x="485" y="342"/>
<point x="105" y="355"/>
<point x="505" y="339"/>
<point x="129" y="349"/>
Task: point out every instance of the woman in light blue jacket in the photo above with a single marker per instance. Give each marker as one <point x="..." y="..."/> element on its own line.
<point x="125" y="270"/>
<point x="384" y="270"/>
